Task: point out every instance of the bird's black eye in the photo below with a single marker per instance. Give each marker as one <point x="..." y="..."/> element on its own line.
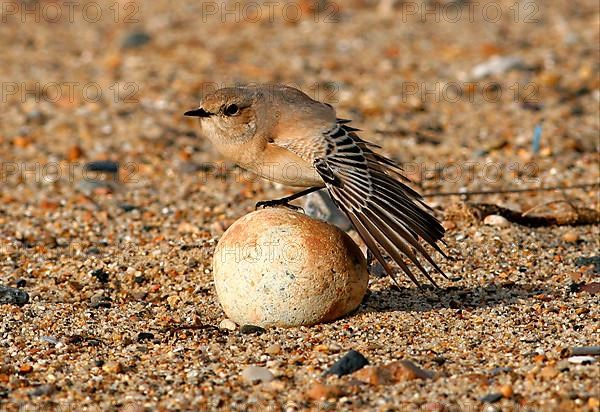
<point x="231" y="110"/>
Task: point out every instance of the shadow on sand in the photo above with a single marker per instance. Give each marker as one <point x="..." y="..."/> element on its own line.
<point x="454" y="297"/>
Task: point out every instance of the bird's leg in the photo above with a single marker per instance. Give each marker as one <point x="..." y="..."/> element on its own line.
<point x="284" y="201"/>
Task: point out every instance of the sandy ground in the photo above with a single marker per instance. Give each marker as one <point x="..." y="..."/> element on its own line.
<point x="122" y="312"/>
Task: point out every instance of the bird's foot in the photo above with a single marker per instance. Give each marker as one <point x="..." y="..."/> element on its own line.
<point x="277" y="203"/>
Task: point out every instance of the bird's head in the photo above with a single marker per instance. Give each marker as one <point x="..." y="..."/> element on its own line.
<point x="228" y="115"/>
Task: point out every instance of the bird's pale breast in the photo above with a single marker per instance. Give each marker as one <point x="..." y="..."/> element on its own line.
<point x="282" y="166"/>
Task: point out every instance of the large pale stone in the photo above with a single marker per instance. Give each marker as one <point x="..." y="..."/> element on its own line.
<point x="278" y="267"/>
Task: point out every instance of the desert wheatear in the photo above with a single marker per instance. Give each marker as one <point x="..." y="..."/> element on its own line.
<point x="283" y="135"/>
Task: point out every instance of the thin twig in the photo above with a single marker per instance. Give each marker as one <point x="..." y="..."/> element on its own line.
<point x="539" y="206"/>
<point x="500" y="191"/>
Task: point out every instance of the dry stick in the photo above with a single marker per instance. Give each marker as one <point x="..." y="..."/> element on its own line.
<point x="493" y="192"/>
<point x="583" y="216"/>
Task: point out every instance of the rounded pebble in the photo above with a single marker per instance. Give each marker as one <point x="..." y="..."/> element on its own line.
<point x="278" y="267"/>
<point x="350" y="362"/>
<point x="506" y="391"/>
<point x="274" y="349"/>
<point x="491" y="397"/>
<point x="570" y="237"/>
<point x="227" y="324"/>
<point x="254" y="374"/>
<point x="13" y="296"/>
<point x="496" y="220"/>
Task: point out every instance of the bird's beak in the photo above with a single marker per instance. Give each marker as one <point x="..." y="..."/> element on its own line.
<point x="199" y="112"/>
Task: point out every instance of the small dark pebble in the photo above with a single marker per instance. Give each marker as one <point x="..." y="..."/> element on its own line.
<point x="13" y="296"/>
<point x="534" y="107"/>
<point x="350" y="362"/>
<point x="582" y="91"/>
<point x="93" y="251"/>
<point x="248" y="329"/>
<point x="99" y="362"/>
<point x="589" y="261"/>
<point x="102" y="166"/>
<point x="577" y="110"/>
<point x="202" y="291"/>
<point x="139" y="279"/>
<point x="100" y="302"/>
<point x="21" y="283"/>
<point x="136" y="39"/>
<point x="142" y="336"/>
<point x="440" y="360"/>
<point x="575" y="287"/>
<point x="74" y="339"/>
<point x="499" y="370"/>
<point x="3" y="393"/>
<point x="127" y="207"/>
<point x="192" y="263"/>
<point x="586" y="350"/>
<point x="37" y="117"/>
<point x="491" y="397"/>
<point x="101" y="275"/>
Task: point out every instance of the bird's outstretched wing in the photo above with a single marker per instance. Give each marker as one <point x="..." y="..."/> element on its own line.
<point x="388" y="214"/>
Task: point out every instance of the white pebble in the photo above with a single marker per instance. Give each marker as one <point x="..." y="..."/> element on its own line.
<point x="496" y="220"/>
<point x="582" y="359"/>
<point x="227" y="324"/>
<point x="254" y="374"/>
<point x="496" y="65"/>
<point x="49" y="339"/>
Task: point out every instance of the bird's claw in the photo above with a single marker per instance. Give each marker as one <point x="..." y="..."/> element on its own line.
<point x="275" y="203"/>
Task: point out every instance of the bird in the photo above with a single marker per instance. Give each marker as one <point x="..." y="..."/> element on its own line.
<point x="282" y="134"/>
